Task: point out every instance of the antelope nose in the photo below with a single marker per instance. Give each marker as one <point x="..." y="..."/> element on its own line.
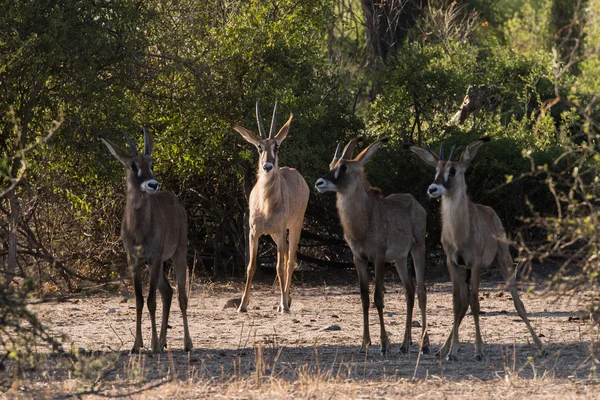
<point x="152" y="184"/>
<point x="319" y="182"/>
<point x="432" y="189"/>
<point x="268" y="166"/>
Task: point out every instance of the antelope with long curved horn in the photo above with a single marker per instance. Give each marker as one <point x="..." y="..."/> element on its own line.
<point x="154" y="229"/>
<point x="473" y="238"/>
<point x="277" y="204"/>
<point x="379" y="229"/>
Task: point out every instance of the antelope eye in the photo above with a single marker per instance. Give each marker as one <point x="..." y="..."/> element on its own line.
<point x="134" y="168"/>
<point x="343" y="167"/>
<point x="452" y="171"/>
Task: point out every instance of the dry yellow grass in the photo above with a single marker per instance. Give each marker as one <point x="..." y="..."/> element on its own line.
<point x="265" y="355"/>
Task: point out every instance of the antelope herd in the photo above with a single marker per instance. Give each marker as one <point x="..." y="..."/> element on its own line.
<point x="377" y="228"/>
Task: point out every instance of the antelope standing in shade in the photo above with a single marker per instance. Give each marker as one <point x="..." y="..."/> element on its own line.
<point x="277" y="204"/>
<point x="473" y="238"/>
<point x="154" y="229"/>
<point x="379" y="229"/>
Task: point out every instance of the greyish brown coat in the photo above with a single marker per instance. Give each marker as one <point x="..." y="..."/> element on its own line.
<point x="473" y="238"/>
<point x="379" y="229"/>
<point x="154" y="229"/>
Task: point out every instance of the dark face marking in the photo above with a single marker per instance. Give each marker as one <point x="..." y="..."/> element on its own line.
<point x="140" y="172"/>
<point x="336" y="178"/>
<point x="268" y="149"/>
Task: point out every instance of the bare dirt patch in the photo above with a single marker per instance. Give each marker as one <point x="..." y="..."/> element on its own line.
<point x="266" y="354"/>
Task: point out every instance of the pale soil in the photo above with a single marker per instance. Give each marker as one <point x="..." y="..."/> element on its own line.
<point x="300" y="359"/>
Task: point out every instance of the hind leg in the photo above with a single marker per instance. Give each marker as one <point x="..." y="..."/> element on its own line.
<point x="409" y="294"/>
<point x="134" y="265"/>
<point x="294" y="238"/>
<point x="474" y="301"/>
<point x="166" y="293"/>
<point x="379" y="293"/>
<point x="281" y="240"/>
<point x="155" y="272"/>
<point x="418" y="255"/>
<point x="504" y="261"/>
<point x="182" y="276"/>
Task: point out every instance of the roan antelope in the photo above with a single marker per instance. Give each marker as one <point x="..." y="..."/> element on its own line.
<point x="277" y="204"/>
<point x="154" y="229"/>
<point x="379" y="229"/>
<point x="473" y="238"/>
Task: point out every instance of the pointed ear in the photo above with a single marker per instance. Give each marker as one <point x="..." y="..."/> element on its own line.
<point x="367" y="153"/>
<point x="283" y="131"/>
<point x="426" y="155"/>
<point x="247" y="135"/>
<point x="471" y="151"/>
<point x="117" y="152"/>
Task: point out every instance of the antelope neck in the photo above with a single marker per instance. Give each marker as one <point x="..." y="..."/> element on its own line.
<point x="456" y="221"/>
<point x="352" y="205"/>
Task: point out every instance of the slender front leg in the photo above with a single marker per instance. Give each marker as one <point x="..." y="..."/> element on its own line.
<point x="293" y="240"/>
<point x="379" y="302"/>
<point x="139" y="302"/>
<point x="182" y="276"/>
<point x="166" y="293"/>
<point x="460" y="299"/>
<point x="418" y="255"/>
<point x="281" y="270"/>
<point x="253" y="243"/>
<point x="155" y="270"/>
<point x="409" y="293"/>
<point x="363" y="282"/>
<point x="475" y="281"/>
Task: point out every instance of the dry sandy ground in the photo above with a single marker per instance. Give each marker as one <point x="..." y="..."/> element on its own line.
<point x="263" y="354"/>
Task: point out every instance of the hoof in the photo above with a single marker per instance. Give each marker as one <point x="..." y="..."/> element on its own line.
<point x="404" y="349"/>
<point x="385" y="344"/>
<point x="478" y="357"/>
<point x="134" y="350"/>
<point x="282" y="310"/>
<point x="425" y="350"/>
<point x="450" y="357"/>
<point x="364" y="348"/>
<point x="233" y="303"/>
<point x="187" y="345"/>
<point x="242" y="309"/>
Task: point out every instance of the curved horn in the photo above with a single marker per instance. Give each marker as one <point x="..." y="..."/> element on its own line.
<point x="442" y="152"/>
<point x="131" y="144"/>
<point x="451" y="153"/>
<point x="146" y="142"/>
<point x="273" y="122"/>
<point x="338" y="150"/>
<point x="261" y="128"/>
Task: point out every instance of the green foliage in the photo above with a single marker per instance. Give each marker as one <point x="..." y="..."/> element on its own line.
<point x="188" y="71"/>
